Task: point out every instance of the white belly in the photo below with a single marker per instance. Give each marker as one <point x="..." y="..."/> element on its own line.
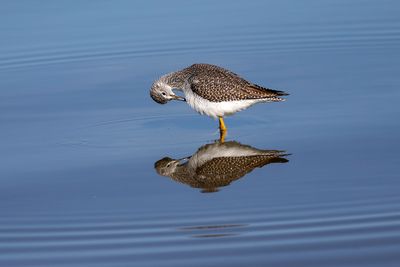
<point x="217" y="109"/>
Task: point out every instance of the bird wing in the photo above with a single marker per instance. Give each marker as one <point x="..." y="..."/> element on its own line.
<point x="218" y="84"/>
<point x="227" y="169"/>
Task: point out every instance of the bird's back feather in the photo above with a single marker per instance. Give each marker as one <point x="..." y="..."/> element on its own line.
<point x="217" y="84"/>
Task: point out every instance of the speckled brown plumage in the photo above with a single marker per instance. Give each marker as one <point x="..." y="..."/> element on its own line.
<point x="232" y="168"/>
<point x="217" y="84"/>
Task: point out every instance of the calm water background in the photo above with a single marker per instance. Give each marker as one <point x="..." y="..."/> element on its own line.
<point x="80" y="135"/>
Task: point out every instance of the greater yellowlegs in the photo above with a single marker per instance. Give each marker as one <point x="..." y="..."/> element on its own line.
<point x="218" y="164"/>
<point x="212" y="91"/>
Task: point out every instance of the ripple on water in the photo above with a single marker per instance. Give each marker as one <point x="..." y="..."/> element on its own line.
<point x="285" y="234"/>
<point x="289" y="38"/>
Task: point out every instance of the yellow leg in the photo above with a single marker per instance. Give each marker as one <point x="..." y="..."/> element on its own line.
<point x="222" y="126"/>
<point x="222" y="135"/>
<point x="222" y="130"/>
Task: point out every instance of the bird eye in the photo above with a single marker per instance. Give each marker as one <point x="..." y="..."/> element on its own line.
<point x="163" y="93"/>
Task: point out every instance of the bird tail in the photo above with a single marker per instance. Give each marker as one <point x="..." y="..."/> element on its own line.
<point x="276" y="92"/>
<point x="270" y="94"/>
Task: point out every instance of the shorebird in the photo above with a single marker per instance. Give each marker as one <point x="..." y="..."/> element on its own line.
<point x="213" y="91"/>
<point x="217" y="164"/>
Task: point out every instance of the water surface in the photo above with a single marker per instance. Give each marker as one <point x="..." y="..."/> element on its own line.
<point x="80" y="137"/>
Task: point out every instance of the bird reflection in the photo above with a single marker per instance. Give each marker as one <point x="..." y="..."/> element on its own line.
<point x="218" y="164"/>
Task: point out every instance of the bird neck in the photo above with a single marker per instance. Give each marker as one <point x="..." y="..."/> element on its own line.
<point x="174" y="79"/>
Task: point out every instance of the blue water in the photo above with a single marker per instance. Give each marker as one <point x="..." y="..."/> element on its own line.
<point x="80" y="136"/>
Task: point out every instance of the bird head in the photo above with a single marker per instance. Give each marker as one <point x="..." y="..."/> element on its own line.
<point x="162" y="93"/>
<point x="166" y="166"/>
